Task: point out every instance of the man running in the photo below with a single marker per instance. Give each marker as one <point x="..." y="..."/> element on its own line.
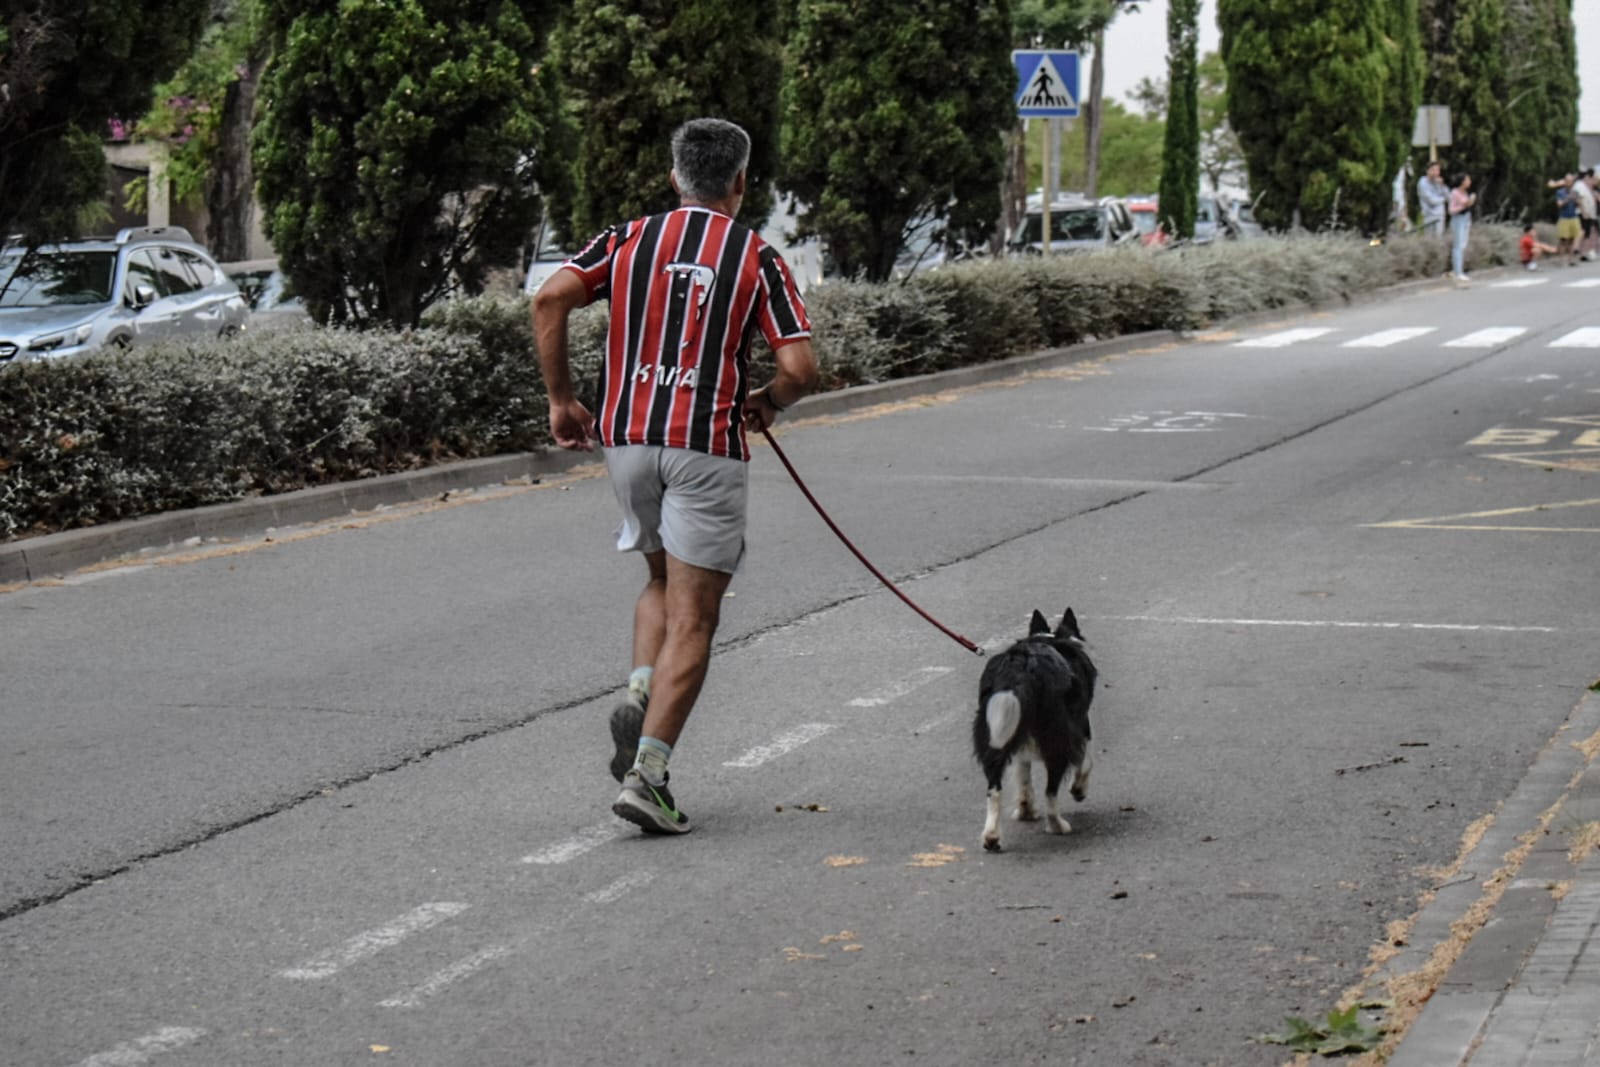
<point x="688" y="288"/>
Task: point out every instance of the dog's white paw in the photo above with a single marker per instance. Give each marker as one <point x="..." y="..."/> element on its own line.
<point x="1080" y="793"/>
<point x="1055" y="824"/>
<point x="991" y="842"/>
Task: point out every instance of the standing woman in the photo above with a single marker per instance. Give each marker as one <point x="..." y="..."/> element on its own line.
<point x="1461" y="201"/>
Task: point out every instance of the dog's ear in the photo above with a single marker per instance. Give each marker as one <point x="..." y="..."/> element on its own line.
<point x="1039" y="625"/>
<point x="1069" y="625"/>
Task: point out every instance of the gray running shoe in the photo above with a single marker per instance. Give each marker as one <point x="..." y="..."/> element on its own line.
<point x="649" y="807"/>
<point x="627" y="723"/>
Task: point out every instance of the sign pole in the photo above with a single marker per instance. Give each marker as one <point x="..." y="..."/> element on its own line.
<point x="1048" y="184"/>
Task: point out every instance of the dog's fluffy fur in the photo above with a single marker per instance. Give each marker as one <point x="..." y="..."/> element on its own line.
<point x="1033" y="703"/>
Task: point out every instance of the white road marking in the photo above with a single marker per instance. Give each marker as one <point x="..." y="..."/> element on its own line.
<point x="371" y="942"/>
<point x="909" y="684"/>
<point x="1337" y="624"/>
<point x="442" y="980"/>
<point x="468" y="966"/>
<point x="800" y="735"/>
<point x="1582" y="283"/>
<point x="1518" y="283"/>
<point x="1285" y="337"/>
<point x="622" y="886"/>
<point x="1385" y="338"/>
<point x="1583" y="337"/>
<point x="1487" y="338"/>
<point x="139" y="1050"/>
<point x="583" y="841"/>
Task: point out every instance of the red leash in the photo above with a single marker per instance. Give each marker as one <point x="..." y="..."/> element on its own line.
<point x="941" y="627"/>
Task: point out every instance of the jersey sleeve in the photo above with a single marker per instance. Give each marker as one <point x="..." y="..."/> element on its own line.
<point x="782" y="313"/>
<point x="593" y="263"/>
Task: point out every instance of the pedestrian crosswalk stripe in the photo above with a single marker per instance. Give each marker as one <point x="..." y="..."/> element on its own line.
<point x="1583" y="283"/>
<point x="1487" y="338"/>
<point x="1285" y="337"/>
<point x="1518" y="283"/>
<point x="1583" y="337"/>
<point x="1385" y="338"/>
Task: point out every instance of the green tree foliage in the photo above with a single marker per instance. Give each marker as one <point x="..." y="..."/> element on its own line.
<point x="1130" y="154"/>
<point x="397" y="149"/>
<point x="893" y="117"/>
<point x="1318" y="94"/>
<point x="1465" y="71"/>
<point x="1541" y="125"/>
<point x="636" y="69"/>
<point x="65" y="69"/>
<point x="1180" y="160"/>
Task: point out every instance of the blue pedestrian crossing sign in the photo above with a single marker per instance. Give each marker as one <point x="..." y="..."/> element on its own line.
<point x="1047" y="84"/>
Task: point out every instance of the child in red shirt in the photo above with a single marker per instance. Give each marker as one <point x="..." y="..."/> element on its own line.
<point x="1531" y="247"/>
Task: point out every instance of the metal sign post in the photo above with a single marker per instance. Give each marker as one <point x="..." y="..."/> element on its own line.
<point x="1047" y="88"/>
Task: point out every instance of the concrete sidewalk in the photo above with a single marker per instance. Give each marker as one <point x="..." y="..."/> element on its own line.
<point x="1526" y="988"/>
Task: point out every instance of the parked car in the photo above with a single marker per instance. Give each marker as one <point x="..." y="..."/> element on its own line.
<point x="267" y="290"/>
<point x="1076" y="224"/>
<point x="142" y="285"/>
<point x="1146" y="213"/>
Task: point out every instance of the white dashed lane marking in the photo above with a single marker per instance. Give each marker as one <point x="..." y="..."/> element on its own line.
<point x="1385" y="338"/>
<point x="800" y="735"/>
<point x="909" y="684"/>
<point x="1583" y="283"/>
<point x="586" y="840"/>
<point x="140" y="1050"/>
<point x="1488" y="337"/>
<point x="372" y="942"/>
<point x="449" y="976"/>
<point x="1583" y="337"/>
<point x="1335" y="624"/>
<point x="1518" y="283"/>
<point x="1284" y="338"/>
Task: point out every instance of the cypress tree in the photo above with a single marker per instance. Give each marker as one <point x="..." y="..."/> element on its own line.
<point x="1465" y="71"/>
<point x="1180" y="160"/>
<point x="1314" y="91"/>
<point x="1540" y="116"/>
<point x="893" y="116"/>
<point x="636" y="69"/>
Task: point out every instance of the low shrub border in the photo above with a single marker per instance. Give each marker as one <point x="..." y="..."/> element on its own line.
<point x="119" y="435"/>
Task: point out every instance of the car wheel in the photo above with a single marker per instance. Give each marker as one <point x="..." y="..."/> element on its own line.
<point x="121" y="342"/>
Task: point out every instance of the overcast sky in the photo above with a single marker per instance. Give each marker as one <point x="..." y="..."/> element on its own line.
<point x="1136" y="48"/>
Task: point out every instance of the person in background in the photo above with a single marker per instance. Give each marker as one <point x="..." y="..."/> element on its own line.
<point x="1461" y="200"/>
<point x="1530" y="248"/>
<point x="1432" y="196"/>
<point x="1569" y="225"/>
<point x="1583" y="188"/>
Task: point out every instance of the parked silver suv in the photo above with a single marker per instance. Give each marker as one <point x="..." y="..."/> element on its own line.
<point x="140" y="286"/>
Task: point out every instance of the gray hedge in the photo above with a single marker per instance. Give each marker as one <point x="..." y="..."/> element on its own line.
<point x="121" y="434"/>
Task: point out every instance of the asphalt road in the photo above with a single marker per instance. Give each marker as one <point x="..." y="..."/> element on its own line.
<point x="339" y="796"/>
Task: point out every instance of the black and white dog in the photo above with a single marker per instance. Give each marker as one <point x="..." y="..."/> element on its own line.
<point x="1033" y="703"/>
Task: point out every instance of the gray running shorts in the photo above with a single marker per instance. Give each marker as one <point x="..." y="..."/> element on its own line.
<point x="689" y="503"/>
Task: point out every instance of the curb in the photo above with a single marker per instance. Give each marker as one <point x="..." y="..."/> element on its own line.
<point x="53" y="555"/>
<point x="1474" y="998"/>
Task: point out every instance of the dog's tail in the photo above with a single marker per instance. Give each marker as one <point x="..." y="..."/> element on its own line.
<point x="1004" y="715"/>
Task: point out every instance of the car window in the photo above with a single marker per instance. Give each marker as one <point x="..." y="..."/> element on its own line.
<point x="142" y="272"/>
<point x="174" y="272"/>
<point x="204" y="274"/>
<point x="45" y="279"/>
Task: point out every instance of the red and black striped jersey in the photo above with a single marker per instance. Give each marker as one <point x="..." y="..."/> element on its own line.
<point x="688" y="289"/>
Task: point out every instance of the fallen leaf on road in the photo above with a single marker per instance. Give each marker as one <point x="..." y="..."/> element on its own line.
<point x="842" y="935"/>
<point x="946" y="854"/>
<point x="845" y="861"/>
<point x="794" y="955"/>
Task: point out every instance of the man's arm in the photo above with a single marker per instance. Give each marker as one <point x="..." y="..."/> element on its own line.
<point x="561" y="295"/>
<point x="796" y="378"/>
